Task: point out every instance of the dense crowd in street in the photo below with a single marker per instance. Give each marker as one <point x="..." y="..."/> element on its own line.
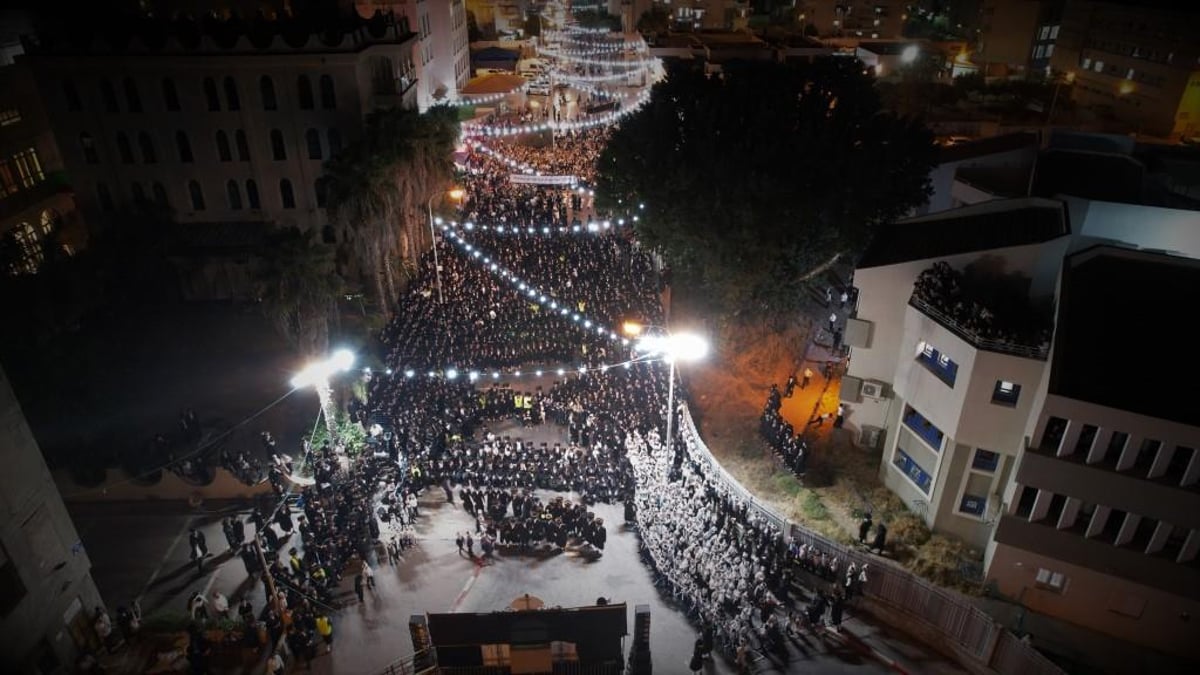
<point x="573" y="153"/>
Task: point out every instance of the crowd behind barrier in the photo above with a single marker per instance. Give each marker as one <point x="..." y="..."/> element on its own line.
<point x="945" y="289"/>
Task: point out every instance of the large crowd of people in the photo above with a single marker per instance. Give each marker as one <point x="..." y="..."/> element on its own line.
<point x="948" y="291"/>
<point x="573" y="153"/>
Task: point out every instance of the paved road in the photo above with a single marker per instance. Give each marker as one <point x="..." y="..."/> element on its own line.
<point x="141" y="549"/>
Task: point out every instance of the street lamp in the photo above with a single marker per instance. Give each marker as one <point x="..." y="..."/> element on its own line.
<point x="317" y="374"/>
<point x="456" y="194"/>
<point x="671" y="347"/>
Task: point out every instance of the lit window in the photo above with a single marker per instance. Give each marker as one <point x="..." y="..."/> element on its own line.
<point x="1006" y="393"/>
<point x="1039" y="52"/>
<point x="1129" y="74"/>
<point x="1053" y="581"/>
<point x="1054" y="32"/>
<point x="985" y="460"/>
<point x="1045" y="33"/>
<point x="1049" y="51"/>
<point x="1098" y="66"/>
<point x="1087" y="63"/>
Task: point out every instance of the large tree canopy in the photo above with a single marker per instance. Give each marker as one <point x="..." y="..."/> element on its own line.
<point x="754" y="182"/>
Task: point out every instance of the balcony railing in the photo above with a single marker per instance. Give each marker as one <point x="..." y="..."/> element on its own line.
<point x="1041" y="352"/>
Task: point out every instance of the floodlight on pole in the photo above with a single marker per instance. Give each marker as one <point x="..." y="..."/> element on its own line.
<point x="673" y="347"/>
<point x="317" y="375"/>
<point x="910" y="54"/>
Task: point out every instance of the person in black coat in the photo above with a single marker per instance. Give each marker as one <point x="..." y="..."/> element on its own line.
<point x="864" y="528"/>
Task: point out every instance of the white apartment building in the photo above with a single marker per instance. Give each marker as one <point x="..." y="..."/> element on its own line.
<point x="1069" y="459"/>
<point x="442" y="50"/>
<point x="223" y="128"/>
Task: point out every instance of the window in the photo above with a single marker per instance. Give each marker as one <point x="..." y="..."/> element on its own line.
<point x="974" y="505"/>
<point x="104" y="196"/>
<point x="124" y="149"/>
<point x="985" y="460"/>
<point x="223" y="151"/>
<point x="235" y="195"/>
<point x="1129" y="74"/>
<point x="1026" y="501"/>
<point x="197" y="195"/>
<point x="328" y="99"/>
<point x="71" y="94"/>
<point x="1116" y="445"/>
<point x="109" y="96"/>
<point x="923" y="428"/>
<point x="1049" y="51"/>
<point x="1098" y="66"/>
<point x="232" y="101"/>
<point x="266" y="87"/>
<point x="50" y="221"/>
<point x="243" y="148"/>
<point x="1146" y="455"/>
<point x="304" y="92"/>
<point x="132" y="98"/>
<point x="160" y="195"/>
<point x="170" y="95"/>
<point x="29" y="168"/>
<point x="319" y="191"/>
<point x="912" y="470"/>
<point x="147" y="147"/>
<point x="1054" y="32"/>
<point x="1052" y="437"/>
<point x="1039" y="52"/>
<point x="937" y="363"/>
<point x="138" y="192"/>
<point x="210" y="95"/>
<point x="184" y="146"/>
<point x="1044" y="34"/>
<point x="313" y="140"/>
<point x="1087" y="436"/>
<point x="278" y="150"/>
<point x="286" y="196"/>
<point x="89" y="148"/>
<point x="335" y="142"/>
<point x="9" y="117"/>
<point x="252" y="194"/>
<point x="1051" y="581"/>
<point x="1086" y="64"/>
<point x="1006" y="393"/>
<point x="27" y="249"/>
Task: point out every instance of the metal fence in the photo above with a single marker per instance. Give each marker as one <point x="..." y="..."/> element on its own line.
<point x="972" y="632"/>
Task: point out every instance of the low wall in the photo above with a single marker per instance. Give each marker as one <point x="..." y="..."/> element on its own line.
<point x="118" y="485"/>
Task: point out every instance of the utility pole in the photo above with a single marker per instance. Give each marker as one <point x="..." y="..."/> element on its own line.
<point x="262" y="560"/>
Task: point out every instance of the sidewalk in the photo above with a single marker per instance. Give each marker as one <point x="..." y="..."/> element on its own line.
<point x="901" y="655"/>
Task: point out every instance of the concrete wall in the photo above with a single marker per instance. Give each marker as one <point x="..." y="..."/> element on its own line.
<point x="945" y="190"/>
<point x="42" y="554"/>
<point x="1173" y="230"/>
<point x="1166" y="621"/>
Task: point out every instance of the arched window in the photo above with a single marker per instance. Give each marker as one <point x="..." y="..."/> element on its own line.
<point x="109" y="95"/>
<point x="147" y="146"/>
<point x="304" y="92"/>
<point x="252" y="194"/>
<point x="104" y="197"/>
<point x="51" y="220"/>
<point x="124" y="149"/>
<point x="335" y="142"/>
<point x="197" y="195"/>
<point x="328" y="99"/>
<point x="243" y="148"/>
<point x="231" y="94"/>
<point x="223" y="151"/>
<point x="160" y="195"/>
<point x="139" y="193"/>
<point x="235" y="195"/>
<point x="74" y="103"/>
<point x="210" y="95"/>
<point x="170" y="95"/>
<point x="278" y="150"/>
<point x="319" y="190"/>
<point x="89" y="148"/>
<point x="267" y="86"/>
<point x="286" y="195"/>
<point x="313" y="140"/>
<point x="132" y="98"/>
<point x="184" y="146"/>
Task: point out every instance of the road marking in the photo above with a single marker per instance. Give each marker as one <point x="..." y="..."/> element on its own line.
<point x="166" y="556"/>
<point x="466" y="588"/>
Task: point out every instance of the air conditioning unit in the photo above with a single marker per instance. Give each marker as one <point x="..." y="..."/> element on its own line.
<point x="873" y="389"/>
<point x="870" y="437"/>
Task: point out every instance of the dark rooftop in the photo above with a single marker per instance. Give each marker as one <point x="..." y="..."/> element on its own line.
<point x="980" y="227"/>
<point x="1090" y="175"/>
<point x="887" y="48"/>
<point x="1094" y="344"/>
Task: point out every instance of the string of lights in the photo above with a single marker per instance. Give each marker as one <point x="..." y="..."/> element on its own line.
<point x="483" y="129"/>
<point x="451" y="373"/>
<point x="476" y="99"/>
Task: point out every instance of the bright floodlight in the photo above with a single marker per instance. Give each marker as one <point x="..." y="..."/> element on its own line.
<point x="632" y="328"/>
<point x="909" y="54"/>
<point x="675" y="347"/>
<point x="315" y="373"/>
<point x="456" y="193"/>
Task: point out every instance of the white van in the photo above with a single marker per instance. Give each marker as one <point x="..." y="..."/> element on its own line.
<point x="532" y="67"/>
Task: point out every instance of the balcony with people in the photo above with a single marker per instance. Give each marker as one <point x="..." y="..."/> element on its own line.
<point x="992" y="317"/>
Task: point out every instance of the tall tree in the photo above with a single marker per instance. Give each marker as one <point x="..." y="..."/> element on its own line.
<point x="299" y="287"/>
<point x="755" y="182"/>
<point x="378" y="187"/>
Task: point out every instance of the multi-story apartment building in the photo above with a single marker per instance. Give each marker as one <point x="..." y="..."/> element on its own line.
<point x="1017" y="36"/>
<point x="47" y="598"/>
<point x="441" y="51"/>
<point x="1134" y="61"/>
<point x="709" y="14"/>
<point x="868" y="19"/>
<point x="220" y="121"/>
<point x="987" y="364"/>
<point x="38" y="217"/>
<point x="1102" y="519"/>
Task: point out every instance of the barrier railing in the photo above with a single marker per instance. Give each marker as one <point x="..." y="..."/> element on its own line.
<point x="970" y="631"/>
